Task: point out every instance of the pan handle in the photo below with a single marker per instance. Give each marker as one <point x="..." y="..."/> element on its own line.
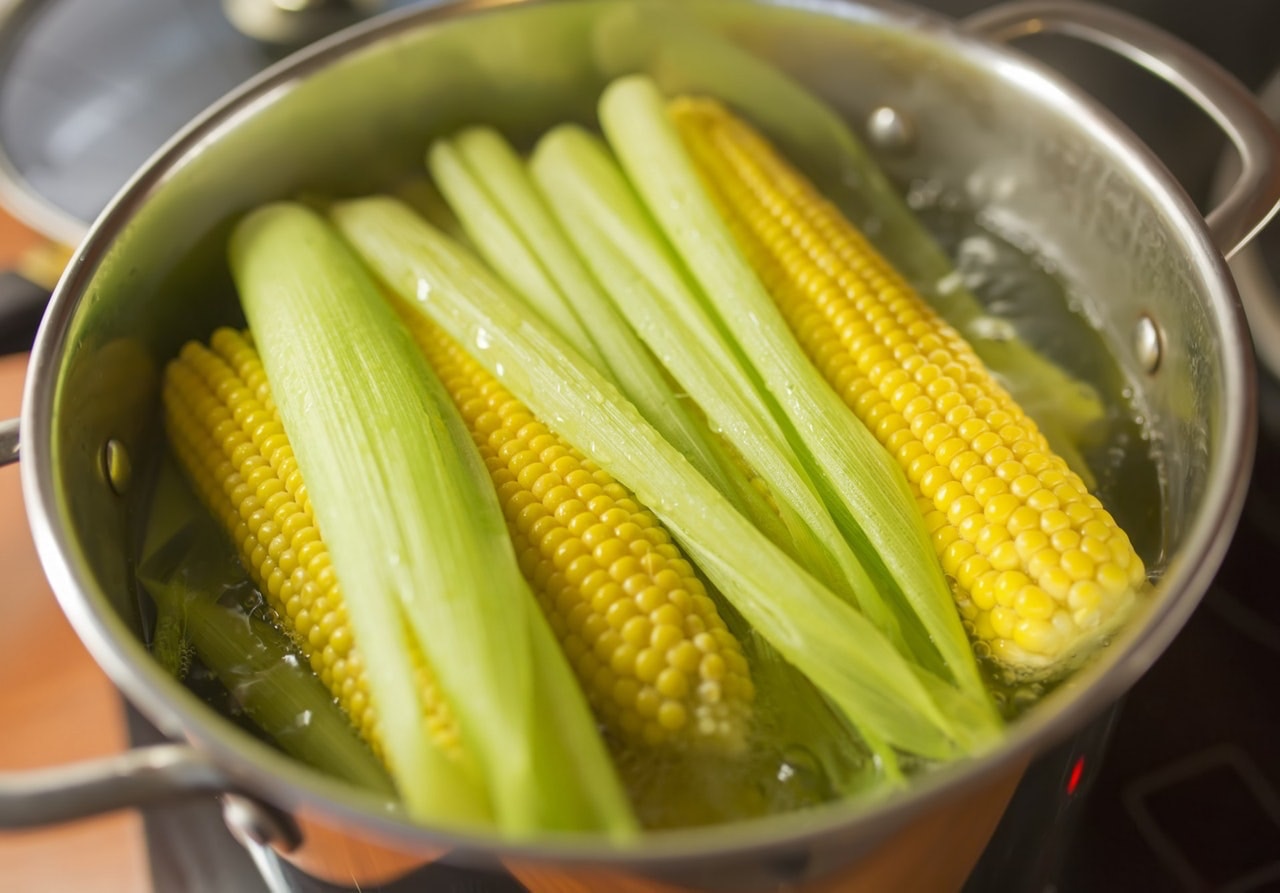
<point x="145" y="776"/>
<point x="1253" y="198"/>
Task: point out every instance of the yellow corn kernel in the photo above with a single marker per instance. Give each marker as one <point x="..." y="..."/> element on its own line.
<point x="227" y="436"/>
<point x="652" y="653"/>
<point x="974" y="457"/>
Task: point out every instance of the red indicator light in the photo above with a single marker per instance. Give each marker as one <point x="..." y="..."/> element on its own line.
<point x="1077" y="772"/>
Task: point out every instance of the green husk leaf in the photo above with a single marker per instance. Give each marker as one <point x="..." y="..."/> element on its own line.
<point x="861" y="484"/>
<point x="480" y="177"/>
<point x="273" y="685"/>
<point x="187" y="567"/>
<point x="617" y="239"/>
<point x="169" y="643"/>
<point x="838" y="649"/>
<point x="494" y="196"/>
<point x="419" y="543"/>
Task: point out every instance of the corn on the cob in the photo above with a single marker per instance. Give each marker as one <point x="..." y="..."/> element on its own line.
<point x="841" y="652"/>
<point x="227" y="435"/>
<point x="1040" y="566"/>
<point x="859" y="484"/>
<point x="419" y="544"/>
<point x="646" y="640"/>
<point x="187" y="568"/>
<point x="495" y="198"/>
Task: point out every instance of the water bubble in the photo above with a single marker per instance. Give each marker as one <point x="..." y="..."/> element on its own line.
<point x="798" y="758"/>
<point x="949" y="283"/>
<point x="1024" y="698"/>
<point x="483" y="339"/>
<point x="980" y="250"/>
<point x="924" y="194"/>
<point x="992" y="328"/>
<point x="797" y="779"/>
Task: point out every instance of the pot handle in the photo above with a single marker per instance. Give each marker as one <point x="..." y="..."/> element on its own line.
<point x="22" y="304"/>
<point x="1253" y="198"/>
<point x="8" y="441"/>
<point x="155" y="775"/>
<point x="144" y="776"/>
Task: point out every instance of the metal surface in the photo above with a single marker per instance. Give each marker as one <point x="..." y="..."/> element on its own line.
<point x="90" y="89"/>
<point x="293" y="23"/>
<point x="149" y="775"/>
<point x="1146" y="344"/>
<point x="1251" y="201"/>
<point x="9" y="429"/>
<point x="254" y="823"/>
<point x="1028" y="150"/>
<point x="1257" y="282"/>
<point x="117" y="466"/>
<point x="16" y="193"/>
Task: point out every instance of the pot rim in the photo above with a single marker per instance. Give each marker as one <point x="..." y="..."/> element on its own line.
<point x="278" y="779"/>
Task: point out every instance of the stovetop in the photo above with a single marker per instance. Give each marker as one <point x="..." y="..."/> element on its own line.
<point x="1190" y="787"/>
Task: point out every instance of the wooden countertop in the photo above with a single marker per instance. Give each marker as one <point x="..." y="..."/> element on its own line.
<point x="57" y="705"/>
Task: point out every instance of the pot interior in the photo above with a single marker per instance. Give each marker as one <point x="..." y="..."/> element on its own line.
<point x="354" y="115"/>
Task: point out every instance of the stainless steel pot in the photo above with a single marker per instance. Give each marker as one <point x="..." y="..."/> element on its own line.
<point x="354" y="113"/>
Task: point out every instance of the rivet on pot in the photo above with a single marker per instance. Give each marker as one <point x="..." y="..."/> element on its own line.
<point x="891" y="130"/>
<point x="117" y="466"/>
<point x="1147" y="344"/>
<point x="253" y="823"/>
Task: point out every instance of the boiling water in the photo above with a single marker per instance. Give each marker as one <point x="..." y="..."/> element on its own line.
<point x="1025" y="295"/>
<point x="800" y="753"/>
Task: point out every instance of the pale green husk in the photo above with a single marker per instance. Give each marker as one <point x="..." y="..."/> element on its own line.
<point x="498" y="204"/>
<point x="419" y="544"/>
<point x="860" y="483"/>
<point x="838" y="649"/>
<point x="615" y="236"/>
<point x="188" y="568"/>
<point x="494" y="195"/>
